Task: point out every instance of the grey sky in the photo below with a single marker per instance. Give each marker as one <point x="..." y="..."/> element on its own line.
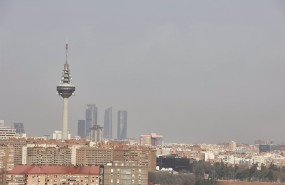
<point x="193" y="71"/>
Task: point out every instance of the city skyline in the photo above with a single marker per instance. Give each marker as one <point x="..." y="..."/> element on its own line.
<point x="194" y="72"/>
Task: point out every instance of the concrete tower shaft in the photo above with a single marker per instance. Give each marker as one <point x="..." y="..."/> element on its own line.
<point x="65" y="89"/>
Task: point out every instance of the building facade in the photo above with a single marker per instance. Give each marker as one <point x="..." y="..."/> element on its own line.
<point x="91" y="116"/>
<point x="153" y="139"/>
<point x="2" y="177"/>
<point x="125" y="173"/>
<point x="7" y="153"/>
<point x="142" y="156"/>
<point x="50" y="175"/>
<point x="46" y="155"/>
<point x="96" y="134"/>
<point x="57" y="134"/>
<point x="19" y="128"/>
<point x="122" y="125"/>
<point x="81" y="129"/>
<point x="6" y="133"/>
<point x="93" y="156"/>
<point x="2" y="123"/>
<point x="145" y="157"/>
<point x="108" y="123"/>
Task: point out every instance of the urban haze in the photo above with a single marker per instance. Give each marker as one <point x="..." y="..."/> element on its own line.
<point x="192" y="71"/>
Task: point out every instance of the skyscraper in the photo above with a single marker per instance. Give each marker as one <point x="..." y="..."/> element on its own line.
<point x="65" y="89"/>
<point x="90" y="117"/>
<point x="81" y="129"/>
<point x="122" y="125"/>
<point x="19" y="128"/>
<point x="108" y="123"/>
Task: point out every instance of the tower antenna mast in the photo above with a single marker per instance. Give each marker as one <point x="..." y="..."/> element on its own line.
<point x="65" y="89"/>
<point x="66" y="49"/>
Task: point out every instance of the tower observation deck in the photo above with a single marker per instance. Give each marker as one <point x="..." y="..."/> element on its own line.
<point x="65" y="89"/>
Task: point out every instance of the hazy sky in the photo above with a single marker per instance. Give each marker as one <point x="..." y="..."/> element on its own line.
<point x="192" y="71"/>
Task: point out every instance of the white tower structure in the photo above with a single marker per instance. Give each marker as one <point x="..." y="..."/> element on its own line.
<point x="65" y="89"/>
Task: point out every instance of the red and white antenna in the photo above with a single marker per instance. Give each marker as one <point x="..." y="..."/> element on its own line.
<point x="66" y="48"/>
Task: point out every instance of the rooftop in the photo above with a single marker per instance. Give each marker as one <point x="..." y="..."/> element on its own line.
<point x="55" y="169"/>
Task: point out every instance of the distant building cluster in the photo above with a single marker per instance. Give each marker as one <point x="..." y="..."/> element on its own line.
<point x="90" y="129"/>
<point x="232" y="153"/>
<point x="153" y="139"/>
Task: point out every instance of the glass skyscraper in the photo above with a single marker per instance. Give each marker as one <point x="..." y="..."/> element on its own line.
<point x="122" y="124"/>
<point x="108" y="123"/>
<point x="19" y="128"/>
<point x="90" y="117"/>
<point x="81" y="129"/>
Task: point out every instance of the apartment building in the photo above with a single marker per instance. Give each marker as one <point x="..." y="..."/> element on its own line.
<point x="2" y="177"/>
<point x="143" y="156"/>
<point x="50" y="175"/>
<point x="46" y="155"/>
<point x="7" y="157"/>
<point x="19" y="143"/>
<point x="121" y="173"/>
<point x="93" y="156"/>
<point x="6" y="132"/>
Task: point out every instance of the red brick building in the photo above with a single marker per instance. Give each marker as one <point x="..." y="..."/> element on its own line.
<point x="50" y="175"/>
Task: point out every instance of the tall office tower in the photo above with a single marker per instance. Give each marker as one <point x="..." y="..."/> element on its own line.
<point x="108" y="123"/>
<point x="19" y="128"/>
<point x="65" y="89"/>
<point x="122" y="124"/>
<point x="81" y="129"/>
<point x="90" y="117"/>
